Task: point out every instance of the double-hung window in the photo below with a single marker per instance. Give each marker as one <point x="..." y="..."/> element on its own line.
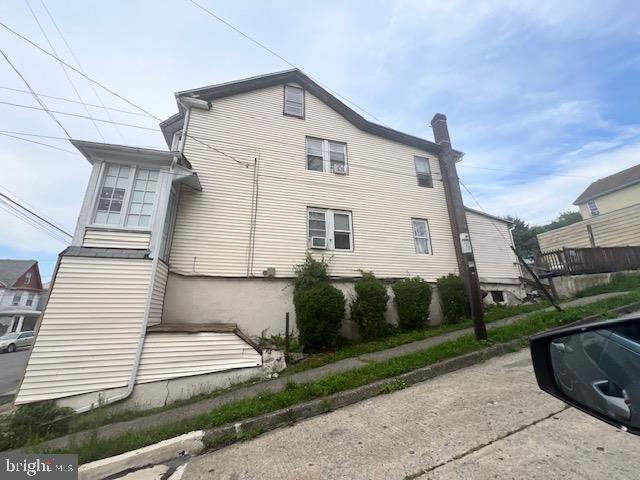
<point x="16" y="299"/>
<point x="326" y="156"/>
<point x="329" y="229"/>
<point x="593" y="208"/>
<point x="423" y="172"/>
<point x="421" y="237"/>
<point x="30" y="297"/>
<point x="126" y="197"/>
<point x="293" y="101"/>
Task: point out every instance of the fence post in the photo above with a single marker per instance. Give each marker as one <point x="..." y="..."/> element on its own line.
<point x="286" y="334"/>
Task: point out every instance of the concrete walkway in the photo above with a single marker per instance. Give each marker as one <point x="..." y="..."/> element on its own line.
<point x="276" y="385"/>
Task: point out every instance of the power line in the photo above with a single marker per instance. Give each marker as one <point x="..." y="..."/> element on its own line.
<point x="82" y="70"/>
<point x="77" y="102"/>
<point x="2" y="24"/>
<point x="251" y="39"/>
<point x="27" y="204"/>
<point x="78" y="116"/>
<point x="7" y="207"/>
<point x="64" y="70"/>
<point x="6" y="197"/>
<point x="44" y="107"/>
<point x="40" y="143"/>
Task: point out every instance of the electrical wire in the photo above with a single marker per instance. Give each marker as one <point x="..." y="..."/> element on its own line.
<point x="261" y="45"/>
<point x="29" y="221"/>
<point x="32" y="213"/>
<point x="128" y="112"/>
<point x="37" y="98"/>
<point x="78" y="115"/>
<point x="40" y="143"/>
<point x="23" y="201"/>
<point x="64" y="70"/>
<point x="95" y="92"/>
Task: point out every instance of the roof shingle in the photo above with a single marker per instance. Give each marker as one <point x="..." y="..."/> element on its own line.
<point x="614" y="182"/>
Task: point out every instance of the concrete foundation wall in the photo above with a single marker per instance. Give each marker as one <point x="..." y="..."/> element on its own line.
<point x="259" y="305"/>
<point x="568" y="286"/>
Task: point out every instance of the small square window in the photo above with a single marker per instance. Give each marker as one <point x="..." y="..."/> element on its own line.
<point x="326" y="156"/>
<point x="497" y="296"/>
<point x="293" y="101"/>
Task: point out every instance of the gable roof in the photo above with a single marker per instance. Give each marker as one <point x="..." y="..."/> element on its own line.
<point x="12" y="270"/>
<point x="212" y="92"/>
<point x="609" y="184"/>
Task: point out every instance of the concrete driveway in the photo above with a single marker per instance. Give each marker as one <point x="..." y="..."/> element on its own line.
<point x="487" y="421"/>
<point x="12" y="366"/>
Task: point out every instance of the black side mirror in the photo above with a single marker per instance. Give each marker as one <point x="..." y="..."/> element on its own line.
<point x="594" y="368"/>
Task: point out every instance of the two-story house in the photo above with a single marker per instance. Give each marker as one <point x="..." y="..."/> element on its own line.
<point x="610" y="209"/>
<point x="20" y="295"/>
<point x="180" y="257"/>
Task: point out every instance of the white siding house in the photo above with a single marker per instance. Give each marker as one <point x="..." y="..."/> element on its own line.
<point x="179" y="257"/>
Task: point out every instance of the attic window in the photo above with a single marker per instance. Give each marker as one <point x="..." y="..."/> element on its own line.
<point x="593" y="208"/>
<point x="293" y="101"/>
<point x="27" y="278"/>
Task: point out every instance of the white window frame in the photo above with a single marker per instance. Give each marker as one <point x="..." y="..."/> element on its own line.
<point x="326" y="155"/>
<point x="427" y="238"/>
<point x="330" y="231"/>
<point x="15" y="303"/>
<point x="126" y="201"/>
<point x="420" y="175"/>
<point x="31" y="296"/>
<point x="27" y="278"/>
<point x="594" y="211"/>
<point x="284" y="101"/>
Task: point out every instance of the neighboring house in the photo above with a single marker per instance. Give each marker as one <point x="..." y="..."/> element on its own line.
<point x="21" y="293"/>
<point x="610" y="209"/>
<point x="180" y="257"/>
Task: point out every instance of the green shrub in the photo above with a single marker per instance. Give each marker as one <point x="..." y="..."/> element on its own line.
<point x="413" y="296"/>
<point x="319" y="313"/>
<point x="34" y="422"/>
<point x="311" y="272"/>
<point x="368" y="308"/>
<point x="453" y="298"/>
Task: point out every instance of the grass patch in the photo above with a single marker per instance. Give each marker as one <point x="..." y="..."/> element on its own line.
<point x="620" y="282"/>
<point x="295" y="393"/>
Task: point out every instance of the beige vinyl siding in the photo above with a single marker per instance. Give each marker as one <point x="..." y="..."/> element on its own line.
<point x="173" y="355"/>
<point x="613" y="201"/>
<point x="491" y="240"/>
<point x="157" y="296"/>
<point x="116" y="239"/>
<point x="89" y="334"/>
<point x="212" y="228"/>
<point x="616" y="229"/>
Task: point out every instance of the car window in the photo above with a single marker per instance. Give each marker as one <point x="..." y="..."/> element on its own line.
<point x="630" y="331"/>
<point x="10" y="336"/>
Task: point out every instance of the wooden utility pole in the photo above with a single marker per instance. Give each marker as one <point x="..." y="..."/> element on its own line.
<point x="458" y="220"/>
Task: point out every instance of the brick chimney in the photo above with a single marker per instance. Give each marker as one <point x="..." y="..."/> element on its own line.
<point x="440" y="130"/>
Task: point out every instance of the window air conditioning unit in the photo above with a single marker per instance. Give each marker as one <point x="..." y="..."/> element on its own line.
<point x="319" y="242"/>
<point x="339" y="169"/>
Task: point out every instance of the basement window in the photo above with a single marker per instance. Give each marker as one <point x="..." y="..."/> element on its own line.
<point x="329" y="229"/>
<point x="293" y="101"/>
<point x="423" y="172"/>
<point x="497" y="296"/>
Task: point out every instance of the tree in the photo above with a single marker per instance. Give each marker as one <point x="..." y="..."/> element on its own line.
<point x="524" y="235"/>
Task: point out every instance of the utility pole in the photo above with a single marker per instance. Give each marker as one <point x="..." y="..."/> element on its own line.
<point x="458" y="220"/>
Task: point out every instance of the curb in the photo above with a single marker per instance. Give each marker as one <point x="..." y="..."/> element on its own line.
<point x="200" y="441"/>
<point x="182" y="446"/>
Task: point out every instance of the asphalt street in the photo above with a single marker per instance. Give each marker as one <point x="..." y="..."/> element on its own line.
<point x="484" y="422"/>
<point x="12" y="367"/>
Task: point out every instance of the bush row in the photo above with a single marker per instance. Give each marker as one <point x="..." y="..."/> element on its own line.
<point x="320" y="307"/>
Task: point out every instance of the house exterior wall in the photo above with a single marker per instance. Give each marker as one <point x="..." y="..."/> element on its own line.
<point x="211" y="236"/>
<point x="613" y="201"/>
<point x="491" y="240"/>
<point x="619" y="228"/>
<point x="89" y="334"/>
<point x="116" y="239"/>
<point x="157" y="295"/>
<point x="173" y="355"/>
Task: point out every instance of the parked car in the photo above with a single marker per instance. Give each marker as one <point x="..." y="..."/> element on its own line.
<point x="12" y="341"/>
<point x="595" y="368"/>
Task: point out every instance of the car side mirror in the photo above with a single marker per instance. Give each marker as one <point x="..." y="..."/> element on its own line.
<point x="594" y="368"/>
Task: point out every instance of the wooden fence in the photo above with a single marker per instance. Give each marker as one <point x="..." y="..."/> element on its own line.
<point x="576" y="261"/>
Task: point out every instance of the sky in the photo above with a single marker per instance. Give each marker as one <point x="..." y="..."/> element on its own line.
<point x="542" y="96"/>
